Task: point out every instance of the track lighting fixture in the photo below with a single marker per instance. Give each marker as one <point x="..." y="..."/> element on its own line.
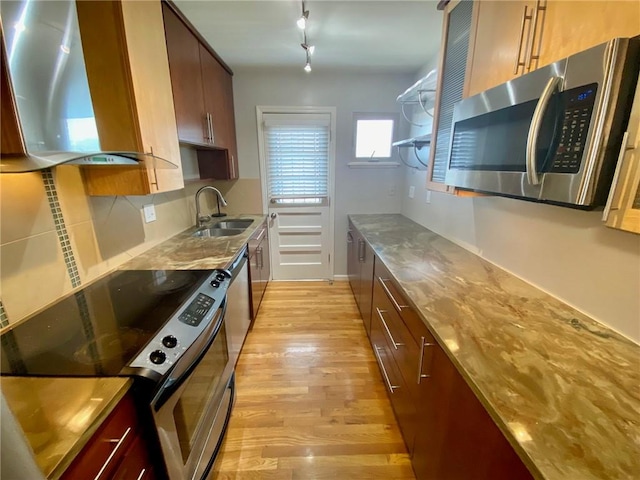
<point x="302" y="21"/>
<point x="308" y="49"/>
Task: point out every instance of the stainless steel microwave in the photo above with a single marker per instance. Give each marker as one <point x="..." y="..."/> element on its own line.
<point x="552" y="135"/>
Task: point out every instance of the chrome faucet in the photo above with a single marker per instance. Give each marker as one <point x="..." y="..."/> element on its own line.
<point x="200" y="219"/>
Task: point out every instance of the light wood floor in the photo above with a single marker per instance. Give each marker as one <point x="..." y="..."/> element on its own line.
<point x="310" y="399"/>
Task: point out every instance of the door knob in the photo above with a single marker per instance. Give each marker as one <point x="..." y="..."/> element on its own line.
<point x="274" y="215"/>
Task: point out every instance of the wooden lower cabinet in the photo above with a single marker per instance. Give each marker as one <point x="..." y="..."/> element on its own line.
<point x="360" y="260"/>
<point x="117" y="450"/>
<point x="448" y="432"/>
<point x="457" y="439"/>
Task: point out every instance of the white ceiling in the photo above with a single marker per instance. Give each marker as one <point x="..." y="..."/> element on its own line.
<point x="391" y="35"/>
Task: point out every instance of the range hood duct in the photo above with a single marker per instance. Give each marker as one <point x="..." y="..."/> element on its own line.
<point x="45" y="62"/>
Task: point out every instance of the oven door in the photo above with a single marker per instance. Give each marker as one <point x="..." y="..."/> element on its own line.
<point x="192" y="405"/>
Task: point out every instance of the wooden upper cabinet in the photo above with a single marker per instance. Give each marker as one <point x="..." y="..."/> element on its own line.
<point x="501" y="38"/>
<point x="516" y="37"/>
<point x="203" y="96"/>
<point x="455" y="52"/>
<point x="128" y="72"/>
<point x="183" y="49"/>
<point x="570" y="26"/>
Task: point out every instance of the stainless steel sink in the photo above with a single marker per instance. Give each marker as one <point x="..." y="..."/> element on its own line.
<point x="218" y="232"/>
<point x="241" y="224"/>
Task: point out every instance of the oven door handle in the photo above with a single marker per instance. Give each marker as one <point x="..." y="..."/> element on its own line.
<point x="183" y="368"/>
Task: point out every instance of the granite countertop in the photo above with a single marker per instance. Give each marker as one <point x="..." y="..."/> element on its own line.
<point x="563" y="388"/>
<point x="59" y="415"/>
<point x="185" y="252"/>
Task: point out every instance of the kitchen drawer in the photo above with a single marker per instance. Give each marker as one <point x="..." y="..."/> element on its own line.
<point x="101" y="456"/>
<point x="393" y="291"/>
<point x="401" y="398"/>
<point x="136" y="464"/>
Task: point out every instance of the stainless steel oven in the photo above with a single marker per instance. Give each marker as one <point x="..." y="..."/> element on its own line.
<point x="192" y="405"/>
<point x="551" y="135"/>
<point x="167" y="330"/>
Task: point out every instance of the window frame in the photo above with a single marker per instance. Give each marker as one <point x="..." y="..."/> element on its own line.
<point x="392" y="158"/>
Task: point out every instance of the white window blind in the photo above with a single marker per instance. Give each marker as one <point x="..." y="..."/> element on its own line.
<point x="297" y="148"/>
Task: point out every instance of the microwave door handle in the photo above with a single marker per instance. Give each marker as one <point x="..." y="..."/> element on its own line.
<point x="554" y="83"/>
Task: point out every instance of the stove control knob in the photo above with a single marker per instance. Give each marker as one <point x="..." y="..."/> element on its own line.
<point x="158" y="357"/>
<point x="170" y="341"/>
<point x="215" y="283"/>
<point x="220" y="276"/>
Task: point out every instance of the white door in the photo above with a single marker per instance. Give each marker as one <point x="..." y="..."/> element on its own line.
<point x="297" y="159"/>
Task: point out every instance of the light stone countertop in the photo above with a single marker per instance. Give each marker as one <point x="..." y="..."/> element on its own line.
<point x="185" y="252"/>
<point x="563" y="388"/>
<point x="59" y="415"/>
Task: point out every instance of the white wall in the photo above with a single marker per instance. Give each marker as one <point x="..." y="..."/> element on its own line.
<point x="568" y="253"/>
<point x="357" y="190"/>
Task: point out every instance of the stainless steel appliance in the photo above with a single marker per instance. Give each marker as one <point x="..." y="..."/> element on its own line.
<point x="167" y="330"/>
<point x="239" y="306"/>
<point x="551" y="135"/>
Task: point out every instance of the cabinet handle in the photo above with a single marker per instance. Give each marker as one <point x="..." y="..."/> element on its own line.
<point x="384" y="370"/>
<point x="386" y="327"/>
<point x="118" y="445"/>
<point x="259" y="253"/>
<point x="540" y="7"/>
<point x="361" y="251"/>
<point x="390" y="295"/>
<point x="423" y="343"/>
<point x="206" y="128"/>
<point x="142" y="472"/>
<point x="213" y="140"/>
<point x="233" y="167"/>
<point x="525" y="18"/>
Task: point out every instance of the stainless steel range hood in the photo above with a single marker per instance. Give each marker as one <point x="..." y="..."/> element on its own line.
<point x="48" y="76"/>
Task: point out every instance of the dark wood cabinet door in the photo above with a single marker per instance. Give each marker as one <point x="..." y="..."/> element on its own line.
<point x="456" y="438"/>
<point x="183" y="49"/>
<point x="232" y="143"/>
<point x="366" y="284"/>
<point x="213" y="89"/>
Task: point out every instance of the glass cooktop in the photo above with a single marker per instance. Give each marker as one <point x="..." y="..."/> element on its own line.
<point x="98" y="330"/>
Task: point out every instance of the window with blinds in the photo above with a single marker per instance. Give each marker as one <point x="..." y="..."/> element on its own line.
<point x="297" y="154"/>
<point x="455" y="63"/>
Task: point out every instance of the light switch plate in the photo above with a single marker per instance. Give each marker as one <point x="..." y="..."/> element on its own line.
<point x="149" y="211"/>
<point x="428" y="197"/>
<point x="412" y="191"/>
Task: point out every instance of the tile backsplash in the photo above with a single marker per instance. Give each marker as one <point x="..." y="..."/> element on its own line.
<point x="54" y="238"/>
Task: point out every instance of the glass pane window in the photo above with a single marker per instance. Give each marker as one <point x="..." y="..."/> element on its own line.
<point x="297" y="151"/>
<point x="374" y="138"/>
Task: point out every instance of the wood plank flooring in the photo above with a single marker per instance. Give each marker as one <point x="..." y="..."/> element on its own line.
<point x="310" y="403"/>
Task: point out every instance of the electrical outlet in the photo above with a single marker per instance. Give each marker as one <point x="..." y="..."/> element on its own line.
<point x="412" y="191"/>
<point x="428" y="197"/>
<point x="149" y="213"/>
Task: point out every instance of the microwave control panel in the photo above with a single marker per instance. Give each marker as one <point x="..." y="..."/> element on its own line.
<point x="578" y="107"/>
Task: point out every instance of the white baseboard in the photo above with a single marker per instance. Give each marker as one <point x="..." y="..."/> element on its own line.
<point x="341" y="278"/>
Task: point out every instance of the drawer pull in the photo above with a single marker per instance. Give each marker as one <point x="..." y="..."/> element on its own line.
<point x="423" y="343"/>
<point x="386" y="327"/>
<point x="140" y="477"/>
<point x="115" y="450"/>
<point x="384" y="370"/>
<point x="390" y="295"/>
